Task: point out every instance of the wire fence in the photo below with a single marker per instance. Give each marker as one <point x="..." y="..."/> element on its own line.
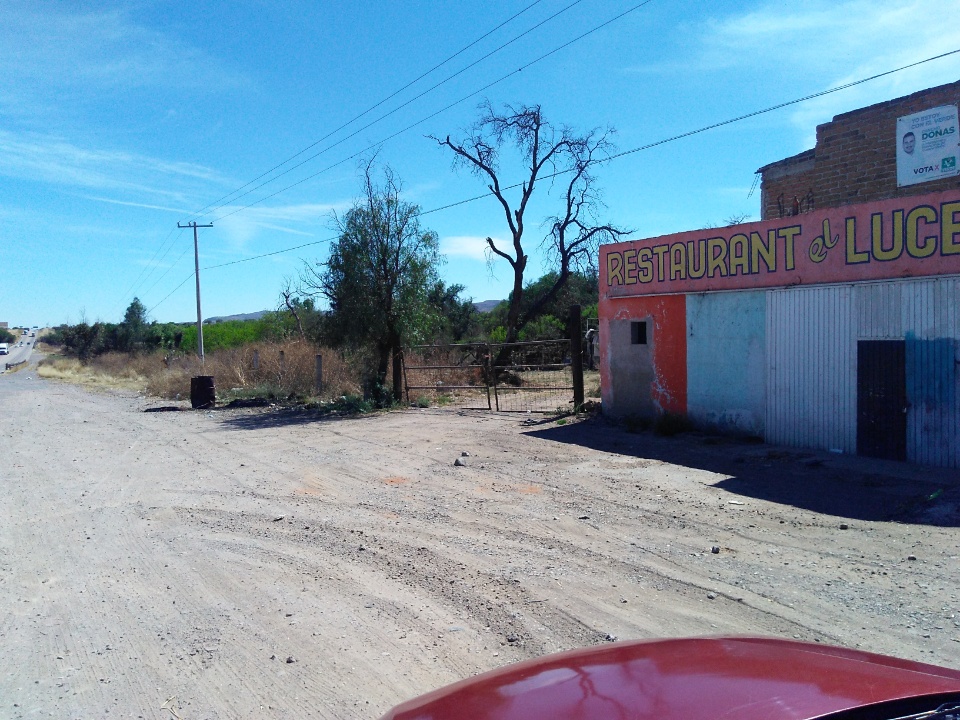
<point x="505" y="377"/>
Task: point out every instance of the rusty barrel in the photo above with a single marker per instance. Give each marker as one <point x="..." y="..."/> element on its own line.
<point x="203" y="394"/>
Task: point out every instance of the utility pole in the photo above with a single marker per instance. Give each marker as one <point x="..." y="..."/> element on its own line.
<point x="196" y="267"/>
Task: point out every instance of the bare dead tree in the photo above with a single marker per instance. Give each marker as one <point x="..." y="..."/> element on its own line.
<point x="547" y="153"/>
<point x="288" y="293"/>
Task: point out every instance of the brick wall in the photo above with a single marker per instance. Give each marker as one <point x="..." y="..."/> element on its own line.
<point x="854" y="160"/>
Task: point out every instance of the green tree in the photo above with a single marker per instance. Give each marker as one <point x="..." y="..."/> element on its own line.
<point x="223" y="335"/>
<point x="378" y="276"/>
<point x="566" y="160"/>
<point x="132" y="330"/>
<point x="580" y="289"/>
<point x="82" y="340"/>
<point x="457" y="319"/>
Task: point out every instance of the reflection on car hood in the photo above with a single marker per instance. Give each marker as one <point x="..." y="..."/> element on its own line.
<point x="688" y="679"/>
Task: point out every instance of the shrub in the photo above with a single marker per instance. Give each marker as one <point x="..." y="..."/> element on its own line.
<point x="224" y="335"/>
<point x="234" y="371"/>
<point x="545" y="327"/>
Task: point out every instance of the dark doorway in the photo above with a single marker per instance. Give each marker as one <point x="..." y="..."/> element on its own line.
<point x="882" y="399"/>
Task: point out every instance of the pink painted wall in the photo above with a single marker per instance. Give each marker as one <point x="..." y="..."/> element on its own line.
<point x="904" y="237"/>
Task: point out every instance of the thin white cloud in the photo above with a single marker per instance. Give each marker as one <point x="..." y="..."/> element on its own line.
<point x="824" y="44"/>
<point x="50" y="159"/>
<point x="302" y="212"/>
<point x="864" y="37"/>
<point x="242" y="230"/>
<point x="285" y="230"/>
<point x="53" y="45"/>
<point x="469" y="246"/>
<point x="819" y="36"/>
<point x="145" y="206"/>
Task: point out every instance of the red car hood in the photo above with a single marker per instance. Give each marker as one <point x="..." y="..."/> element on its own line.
<point x="688" y="679"/>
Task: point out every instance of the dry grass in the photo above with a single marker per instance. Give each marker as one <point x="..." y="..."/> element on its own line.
<point x="285" y="371"/>
<point x="278" y="370"/>
<point x="73" y="371"/>
<point x="591" y="383"/>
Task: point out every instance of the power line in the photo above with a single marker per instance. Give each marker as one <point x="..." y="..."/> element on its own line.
<point x="438" y="112"/>
<point x="616" y="156"/>
<point x="148" y="263"/>
<point x="152" y="264"/>
<point x="275" y="252"/>
<point x="713" y="126"/>
<point x="242" y="260"/>
<point x="157" y="281"/>
<point x="215" y="204"/>
<point x="373" y="107"/>
<point x="167" y="297"/>
<point x="237" y="262"/>
<point x="385" y="115"/>
<point x="845" y="86"/>
<point x="629" y="152"/>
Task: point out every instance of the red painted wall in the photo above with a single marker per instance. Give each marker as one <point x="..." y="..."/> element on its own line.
<point x="668" y="337"/>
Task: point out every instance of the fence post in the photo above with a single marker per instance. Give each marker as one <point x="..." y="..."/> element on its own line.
<point x="256" y="361"/>
<point x="576" y="356"/>
<point x="492" y="364"/>
<point x="283" y="364"/>
<point x="319" y="376"/>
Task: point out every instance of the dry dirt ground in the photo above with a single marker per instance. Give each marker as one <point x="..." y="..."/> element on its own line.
<point x="264" y="563"/>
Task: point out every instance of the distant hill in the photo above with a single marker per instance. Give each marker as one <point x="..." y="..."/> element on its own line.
<point x="241" y="316"/>
<point x="486" y="305"/>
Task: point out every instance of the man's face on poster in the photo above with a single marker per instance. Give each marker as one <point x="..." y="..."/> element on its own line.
<point x="909" y="143"/>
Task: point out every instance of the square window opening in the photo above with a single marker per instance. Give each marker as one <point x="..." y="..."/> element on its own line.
<point x="638" y="332"/>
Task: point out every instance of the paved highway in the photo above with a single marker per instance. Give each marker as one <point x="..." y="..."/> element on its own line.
<point x="18" y="353"/>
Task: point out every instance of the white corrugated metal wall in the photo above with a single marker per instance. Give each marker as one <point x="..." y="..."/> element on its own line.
<point x="812" y="335"/>
<point x="812" y="368"/>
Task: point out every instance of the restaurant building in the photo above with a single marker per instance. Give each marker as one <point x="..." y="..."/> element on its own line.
<point x="832" y="323"/>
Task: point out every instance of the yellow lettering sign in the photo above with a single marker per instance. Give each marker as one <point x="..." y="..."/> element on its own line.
<point x="697" y="259"/>
<point x="916" y="246"/>
<point x="739" y="255"/>
<point x="788" y="234"/>
<point x="765" y="251"/>
<point x="645" y="265"/>
<point x="949" y="228"/>
<point x="614" y="269"/>
<point x="678" y="261"/>
<point x="630" y="266"/>
<point x="854" y="256"/>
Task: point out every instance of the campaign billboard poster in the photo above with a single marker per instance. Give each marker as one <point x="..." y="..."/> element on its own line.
<point x="927" y="145"/>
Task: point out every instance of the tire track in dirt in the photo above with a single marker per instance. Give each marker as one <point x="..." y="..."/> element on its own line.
<point x="415" y="567"/>
<point x="201" y="596"/>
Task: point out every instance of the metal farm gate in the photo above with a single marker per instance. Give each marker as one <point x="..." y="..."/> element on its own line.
<point x="541" y="376"/>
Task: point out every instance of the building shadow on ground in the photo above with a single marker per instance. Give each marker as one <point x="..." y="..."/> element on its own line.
<point x="258" y="416"/>
<point x="844" y="486"/>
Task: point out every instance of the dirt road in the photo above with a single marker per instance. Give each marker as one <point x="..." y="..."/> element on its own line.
<point x="274" y="564"/>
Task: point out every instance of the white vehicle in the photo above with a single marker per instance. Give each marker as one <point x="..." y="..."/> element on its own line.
<point x="4" y="349"/>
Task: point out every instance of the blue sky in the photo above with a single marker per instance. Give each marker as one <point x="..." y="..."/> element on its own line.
<point x="117" y="120"/>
